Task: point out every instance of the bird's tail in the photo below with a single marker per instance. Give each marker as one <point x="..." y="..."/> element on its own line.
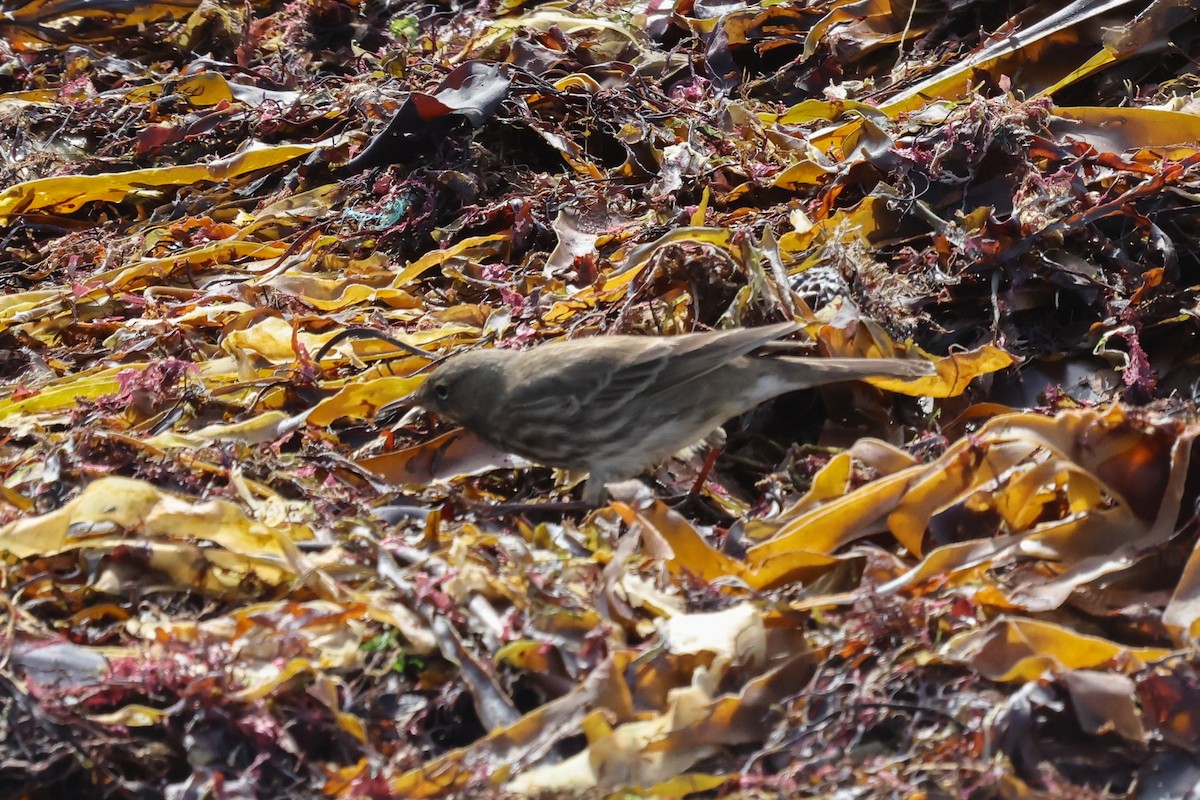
<point x="819" y="371"/>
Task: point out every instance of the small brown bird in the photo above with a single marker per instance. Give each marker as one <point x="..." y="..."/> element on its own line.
<point x="613" y="406"/>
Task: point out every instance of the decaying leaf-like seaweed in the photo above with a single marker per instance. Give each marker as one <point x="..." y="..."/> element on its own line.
<point x="235" y="563"/>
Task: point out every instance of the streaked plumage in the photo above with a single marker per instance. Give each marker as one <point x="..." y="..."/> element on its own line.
<point x="615" y="405"/>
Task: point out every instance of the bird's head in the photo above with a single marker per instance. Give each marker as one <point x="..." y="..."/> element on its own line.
<point x="465" y="387"/>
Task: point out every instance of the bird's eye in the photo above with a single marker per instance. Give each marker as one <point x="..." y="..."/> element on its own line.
<point x="441" y="391"/>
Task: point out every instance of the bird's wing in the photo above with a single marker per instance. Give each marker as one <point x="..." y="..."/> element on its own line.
<point x="697" y="354"/>
<point x="631" y="379"/>
<point x="595" y="376"/>
<point x="646" y="366"/>
<point x="613" y="370"/>
<point x="554" y="395"/>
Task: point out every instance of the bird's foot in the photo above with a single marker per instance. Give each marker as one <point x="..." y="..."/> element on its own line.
<point x="696" y="508"/>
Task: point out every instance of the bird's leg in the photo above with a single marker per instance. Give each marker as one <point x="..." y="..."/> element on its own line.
<point x="715" y="442"/>
<point x="692" y="502"/>
<point x="710" y="460"/>
<point x="595" y="490"/>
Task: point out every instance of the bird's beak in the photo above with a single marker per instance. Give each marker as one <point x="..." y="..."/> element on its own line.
<point x="404" y="410"/>
<point x="400" y="411"/>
